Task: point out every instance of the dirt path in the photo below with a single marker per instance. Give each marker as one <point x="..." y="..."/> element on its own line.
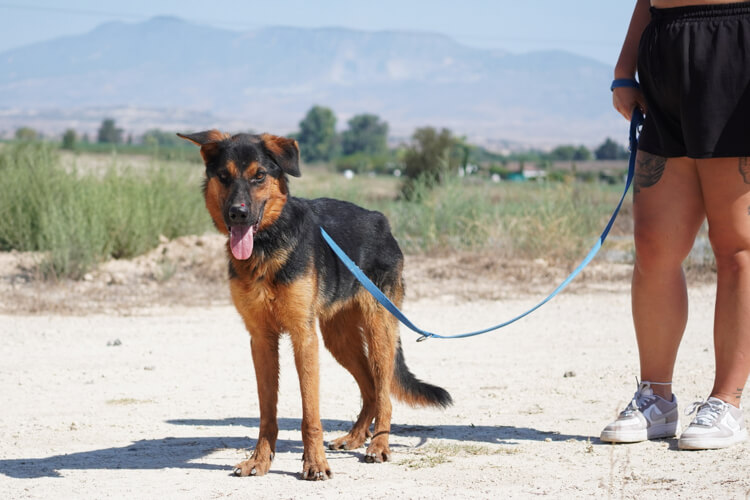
<point x="160" y="402"/>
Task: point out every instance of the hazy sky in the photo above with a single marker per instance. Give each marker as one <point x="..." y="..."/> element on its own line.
<point x="594" y="28"/>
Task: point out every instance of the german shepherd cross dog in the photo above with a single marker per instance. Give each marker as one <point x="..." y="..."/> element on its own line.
<point x="283" y="276"/>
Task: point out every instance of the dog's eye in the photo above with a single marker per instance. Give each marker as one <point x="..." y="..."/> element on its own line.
<point x="259" y="176"/>
<point x="223" y="176"/>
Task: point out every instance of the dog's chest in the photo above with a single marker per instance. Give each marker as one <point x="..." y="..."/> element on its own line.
<point x="268" y="304"/>
<point x="254" y="281"/>
<point x="256" y="301"/>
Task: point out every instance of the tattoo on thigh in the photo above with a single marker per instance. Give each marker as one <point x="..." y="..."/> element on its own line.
<point x="649" y="170"/>
<point x="745" y="169"/>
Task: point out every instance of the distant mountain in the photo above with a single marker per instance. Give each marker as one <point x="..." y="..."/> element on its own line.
<point x="170" y="70"/>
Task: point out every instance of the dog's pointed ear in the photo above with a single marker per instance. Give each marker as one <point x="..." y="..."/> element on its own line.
<point x="203" y="138"/>
<point x="285" y="152"/>
<point x="207" y="140"/>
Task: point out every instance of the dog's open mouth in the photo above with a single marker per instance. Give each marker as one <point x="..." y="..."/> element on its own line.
<point x="241" y="240"/>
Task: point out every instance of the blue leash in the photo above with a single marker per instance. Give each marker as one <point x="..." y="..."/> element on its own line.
<point x="635" y="123"/>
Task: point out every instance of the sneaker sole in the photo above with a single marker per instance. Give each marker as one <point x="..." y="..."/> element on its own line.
<point x="707" y="443"/>
<point x="658" y="431"/>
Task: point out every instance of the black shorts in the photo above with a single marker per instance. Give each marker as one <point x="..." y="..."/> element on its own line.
<point x="694" y="70"/>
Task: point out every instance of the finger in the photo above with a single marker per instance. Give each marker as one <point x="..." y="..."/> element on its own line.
<point x="622" y="109"/>
<point x="625" y="112"/>
<point x="642" y="105"/>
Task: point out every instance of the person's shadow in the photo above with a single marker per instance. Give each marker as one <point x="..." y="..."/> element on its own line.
<point x="181" y="452"/>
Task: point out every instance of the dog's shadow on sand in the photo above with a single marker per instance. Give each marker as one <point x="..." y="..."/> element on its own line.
<point x="186" y="452"/>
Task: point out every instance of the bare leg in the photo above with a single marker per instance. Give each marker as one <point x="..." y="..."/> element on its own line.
<point x="667" y="212"/>
<point x="726" y="188"/>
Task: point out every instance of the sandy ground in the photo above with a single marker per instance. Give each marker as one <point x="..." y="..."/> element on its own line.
<point x="138" y="384"/>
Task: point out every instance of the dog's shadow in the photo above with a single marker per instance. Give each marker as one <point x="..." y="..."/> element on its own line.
<point x="186" y="452"/>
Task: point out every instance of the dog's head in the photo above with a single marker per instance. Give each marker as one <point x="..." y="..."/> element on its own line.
<point x="246" y="182"/>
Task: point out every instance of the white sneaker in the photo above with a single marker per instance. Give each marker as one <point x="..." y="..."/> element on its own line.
<point x="716" y="425"/>
<point x="648" y="416"/>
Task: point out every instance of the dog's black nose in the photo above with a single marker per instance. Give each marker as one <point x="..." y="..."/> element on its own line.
<point x="239" y="214"/>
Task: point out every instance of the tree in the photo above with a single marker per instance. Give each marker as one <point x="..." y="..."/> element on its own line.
<point x="610" y="150"/>
<point x="582" y="154"/>
<point x="570" y="153"/>
<point x="562" y="153"/>
<point x="430" y="156"/>
<point x="69" y="139"/>
<point x="109" y="133"/>
<point x="26" y="134"/>
<point x="366" y="134"/>
<point x="317" y="135"/>
<point x="156" y="137"/>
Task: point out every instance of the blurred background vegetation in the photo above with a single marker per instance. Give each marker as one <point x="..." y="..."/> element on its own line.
<point x="80" y="201"/>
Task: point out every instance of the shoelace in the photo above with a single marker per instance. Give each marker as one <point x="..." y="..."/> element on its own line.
<point x="708" y="412"/>
<point x="639" y="401"/>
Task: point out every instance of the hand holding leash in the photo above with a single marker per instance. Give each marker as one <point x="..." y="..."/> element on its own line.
<point x="626" y="96"/>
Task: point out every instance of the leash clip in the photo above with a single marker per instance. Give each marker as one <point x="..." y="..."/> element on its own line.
<point x="636" y="123"/>
<point x="424" y="337"/>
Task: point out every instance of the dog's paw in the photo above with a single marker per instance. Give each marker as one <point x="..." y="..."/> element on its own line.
<point x="316" y="470"/>
<point x="377" y="453"/>
<point x="255" y="466"/>
<point x="351" y="441"/>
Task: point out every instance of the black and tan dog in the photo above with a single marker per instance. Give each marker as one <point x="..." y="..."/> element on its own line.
<point x="283" y="276"/>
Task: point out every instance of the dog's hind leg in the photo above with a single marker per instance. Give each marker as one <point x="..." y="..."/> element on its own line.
<point x="381" y="332"/>
<point x="342" y="335"/>
<point x="265" y="350"/>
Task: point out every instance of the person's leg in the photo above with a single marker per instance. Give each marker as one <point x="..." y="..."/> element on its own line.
<point x="726" y="188"/>
<point x="718" y="422"/>
<point x="667" y="214"/>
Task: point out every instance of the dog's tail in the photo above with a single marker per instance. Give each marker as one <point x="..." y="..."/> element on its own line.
<point x="412" y="391"/>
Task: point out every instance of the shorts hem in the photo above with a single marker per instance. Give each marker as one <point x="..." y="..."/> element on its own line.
<point x="694" y="156"/>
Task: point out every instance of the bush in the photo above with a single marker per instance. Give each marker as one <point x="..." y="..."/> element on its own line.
<point x="442" y="217"/>
<point x="26" y="134"/>
<point x="499" y="169"/>
<point x="555" y="221"/>
<point x="80" y="220"/>
<point x="69" y="139"/>
<point x="428" y="160"/>
<point x="362" y="163"/>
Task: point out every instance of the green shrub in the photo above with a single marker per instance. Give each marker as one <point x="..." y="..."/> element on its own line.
<point x="554" y="221"/>
<point x="80" y="220"/>
<point x="362" y="163"/>
<point x="428" y="161"/>
<point x="442" y="217"/>
<point x="559" y="222"/>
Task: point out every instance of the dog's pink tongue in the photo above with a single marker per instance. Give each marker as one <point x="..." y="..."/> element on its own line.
<point x="241" y="242"/>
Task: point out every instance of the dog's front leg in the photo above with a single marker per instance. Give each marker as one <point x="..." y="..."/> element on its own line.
<point x="265" y="349"/>
<point x="314" y="464"/>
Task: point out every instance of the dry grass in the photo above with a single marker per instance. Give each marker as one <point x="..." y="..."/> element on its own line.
<point x="118" y="207"/>
<point x="437" y="453"/>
